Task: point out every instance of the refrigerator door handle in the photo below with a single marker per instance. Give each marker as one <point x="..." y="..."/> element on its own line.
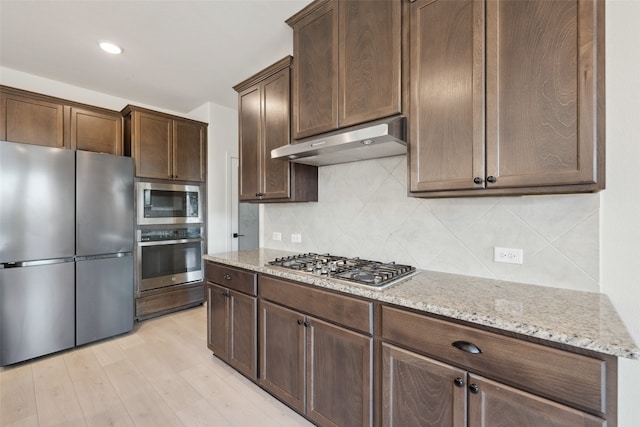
<point x="17" y="264"/>
<point x="104" y="256"/>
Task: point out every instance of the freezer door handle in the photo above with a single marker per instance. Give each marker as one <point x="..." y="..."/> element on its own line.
<point x="17" y="264"/>
<point x="104" y="256"/>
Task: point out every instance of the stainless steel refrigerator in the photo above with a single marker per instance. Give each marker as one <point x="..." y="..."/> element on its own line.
<point x="66" y="241"/>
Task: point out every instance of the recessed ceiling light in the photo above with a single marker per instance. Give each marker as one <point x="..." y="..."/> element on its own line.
<point x="111" y="48"/>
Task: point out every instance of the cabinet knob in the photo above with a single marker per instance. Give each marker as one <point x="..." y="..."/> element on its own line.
<point x="473" y="388"/>
<point x="226" y="294"/>
<point x="491" y="179"/>
<point x="477" y="180"/>
<point x="306" y="324"/>
<point x="227" y="277"/>
<point x="459" y="382"/>
<point x="300" y="322"/>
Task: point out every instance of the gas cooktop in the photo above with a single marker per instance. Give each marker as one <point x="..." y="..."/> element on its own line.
<point x="361" y="271"/>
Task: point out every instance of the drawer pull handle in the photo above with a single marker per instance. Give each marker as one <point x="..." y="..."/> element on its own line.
<point x="473" y="388"/>
<point x="458" y="382"/>
<point x="467" y="346"/>
<point x="227" y="277"/>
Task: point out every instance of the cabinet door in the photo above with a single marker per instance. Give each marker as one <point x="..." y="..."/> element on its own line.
<point x="369" y="61"/>
<point x="541" y="91"/>
<point x="250" y="118"/>
<point x="282" y="354"/>
<point x="339" y="368"/>
<point x="188" y="151"/>
<point x="315" y="72"/>
<point x="94" y="131"/>
<point x="446" y="119"/>
<point x="418" y="391"/>
<point x="497" y="404"/>
<point x="152" y="135"/>
<point x="242" y="334"/>
<point x="218" y="320"/>
<point x="31" y="121"/>
<point x="275" y="173"/>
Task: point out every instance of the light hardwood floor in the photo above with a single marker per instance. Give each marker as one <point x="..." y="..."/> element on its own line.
<point x="161" y="374"/>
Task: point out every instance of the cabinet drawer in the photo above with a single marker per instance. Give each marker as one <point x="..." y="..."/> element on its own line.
<point x="232" y="278"/>
<point x="344" y="310"/>
<point x="562" y="376"/>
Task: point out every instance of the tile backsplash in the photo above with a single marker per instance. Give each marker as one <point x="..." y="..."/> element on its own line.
<point x="363" y="210"/>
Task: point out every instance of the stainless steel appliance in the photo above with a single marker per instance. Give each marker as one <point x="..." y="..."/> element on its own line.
<point x="159" y="203"/>
<point x="375" y="274"/>
<point x="169" y="256"/>
<point x="53" y="297"/>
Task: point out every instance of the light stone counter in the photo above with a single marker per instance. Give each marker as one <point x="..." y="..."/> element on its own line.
<point x="584" y="320"/>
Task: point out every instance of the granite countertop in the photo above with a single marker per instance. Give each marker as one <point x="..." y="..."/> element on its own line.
<point x="585" y="320"/>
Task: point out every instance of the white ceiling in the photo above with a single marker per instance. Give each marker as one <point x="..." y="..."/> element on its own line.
<point x="177" y="54"/>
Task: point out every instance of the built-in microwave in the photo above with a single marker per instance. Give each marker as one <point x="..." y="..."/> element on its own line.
<point x="158" y="203"/>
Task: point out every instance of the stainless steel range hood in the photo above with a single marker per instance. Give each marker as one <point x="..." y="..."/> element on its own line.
<point x="372" y="140"/>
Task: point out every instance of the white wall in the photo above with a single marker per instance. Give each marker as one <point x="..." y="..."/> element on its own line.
<point x="223" y="143"/>
<point x="33" y="83"/>
<point x="620" y="202"/>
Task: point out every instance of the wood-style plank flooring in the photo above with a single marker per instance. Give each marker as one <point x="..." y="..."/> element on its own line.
<point x="161" y="374"/>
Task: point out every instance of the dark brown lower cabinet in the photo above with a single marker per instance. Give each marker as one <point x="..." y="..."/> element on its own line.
<point x="320" y="369"/>
<point x="420" y="391"/>
<point x="231" y="332"/>
<point x="493" y="404"/>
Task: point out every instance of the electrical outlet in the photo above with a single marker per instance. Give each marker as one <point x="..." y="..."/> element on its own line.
<point x="277" y="235"/>
<point x="296" y="238"/>
<point x="510" y="255"/>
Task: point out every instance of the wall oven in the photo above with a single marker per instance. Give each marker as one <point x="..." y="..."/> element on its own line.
<point x="158" y="203"/>
<point x="169" y="256"/>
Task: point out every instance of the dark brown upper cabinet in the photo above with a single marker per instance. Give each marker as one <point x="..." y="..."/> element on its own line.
<point x="165" y="146"/>
<point x="96" y="131"/>
<point x="32" y="118"/>
<point x="506" y="97"/>
<point x="264" y="124"/>
<point x="347" y="64"/>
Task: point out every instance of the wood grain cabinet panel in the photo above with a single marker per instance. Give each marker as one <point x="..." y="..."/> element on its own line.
<point x="496" y="404"/>
<point x="96" y="131"/>
<point x="188" y="150"/>
<point x="232" y="318"/>
<point x="282" y="353"/>
<point x="32" y="118"/>
<point x="421" y="392"/>
<point x="530" y="385"/>
<point x="317" y="366"/>
<point x="264" y="124"/>
<point x="347" y="64"/>
<point x="507" y="97"/>
<point x="369" y="60"/>
<point x="164" y="146"/>
<point x="339" y="369"/>
<point x="32" y="121"/>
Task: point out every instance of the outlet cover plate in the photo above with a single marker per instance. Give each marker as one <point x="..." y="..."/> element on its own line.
<point x="508" y="255"/>
<point x="296" y="238"/>
<point x="277" y="235"/>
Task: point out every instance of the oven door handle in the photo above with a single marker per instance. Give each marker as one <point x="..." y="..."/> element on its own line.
<point x="167" y="242"/>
